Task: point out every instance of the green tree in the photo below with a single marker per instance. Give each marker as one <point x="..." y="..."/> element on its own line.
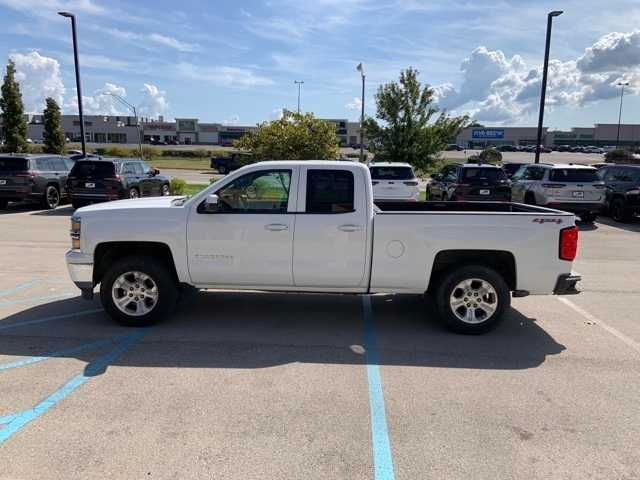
<point x="295" y="136"/>
<point x="410" y="128"/>
<point x="53" y="135"/>
<point x="14" y="126"/>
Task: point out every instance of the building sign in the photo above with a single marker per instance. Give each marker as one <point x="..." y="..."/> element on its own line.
<point x="487" y="133"/>
<point x="185" y="125"/>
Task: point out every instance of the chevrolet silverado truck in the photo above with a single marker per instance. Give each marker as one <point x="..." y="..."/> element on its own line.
<point x="312" y="226"/>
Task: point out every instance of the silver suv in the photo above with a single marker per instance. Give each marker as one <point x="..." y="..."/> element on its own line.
<point x="572" y="188"/>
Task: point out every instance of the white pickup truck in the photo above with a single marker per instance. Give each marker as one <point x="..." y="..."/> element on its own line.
<point x="312" y="226"/>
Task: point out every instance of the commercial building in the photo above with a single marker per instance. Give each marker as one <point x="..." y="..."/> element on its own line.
<point x="600" y="135"/>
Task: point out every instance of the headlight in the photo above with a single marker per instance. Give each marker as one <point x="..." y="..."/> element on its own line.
<point x="75" y="232"/>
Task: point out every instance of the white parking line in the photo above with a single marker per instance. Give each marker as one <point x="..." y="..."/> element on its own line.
<point x="616" y="333"/>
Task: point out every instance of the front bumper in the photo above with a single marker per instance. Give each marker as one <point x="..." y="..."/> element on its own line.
<point x="566" y="284"/>
<point x="80" y="266"/>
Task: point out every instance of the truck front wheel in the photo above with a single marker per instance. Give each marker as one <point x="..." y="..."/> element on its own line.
<point x="138" y="291"/>
<point x="472" y="299"/>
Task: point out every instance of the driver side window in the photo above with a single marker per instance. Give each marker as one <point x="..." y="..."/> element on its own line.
<point x="266" y="191"/>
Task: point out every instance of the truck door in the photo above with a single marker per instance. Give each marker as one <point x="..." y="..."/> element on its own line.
<point x="248" y="240"/>
<point x="331" y="229"/>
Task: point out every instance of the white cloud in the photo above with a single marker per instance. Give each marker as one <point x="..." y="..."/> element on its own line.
<point x="354" y="104"/>
<point x="232" y="120"/>
<point x="497" y="89"/>
<point x="222" y="76"/>
<point x="39" y="78"/>
<point x="100" y="102"/>
<point x="154" y="102"/>
<point x="51" y="7"/>
<point x="276" y="114"/>
<point x="172" y="42"/>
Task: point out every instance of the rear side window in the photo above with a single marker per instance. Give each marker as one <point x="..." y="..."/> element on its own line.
<point x="329" y="191"/>
<point x="573" y="175"/>
<point x="44" y="164"/>
<point x="392" y="173"/>
<point x="58" y="164"/>
<point x="483" y="175"/>
<point x="13" y="164"/>
<point x="84" y="169"/>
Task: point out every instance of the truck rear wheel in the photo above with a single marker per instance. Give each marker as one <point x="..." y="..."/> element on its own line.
<point x="472" y="299"/>
<point x="138" y="291"/>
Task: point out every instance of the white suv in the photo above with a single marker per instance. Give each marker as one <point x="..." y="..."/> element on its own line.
<point x="572" y="188"/>
<point x="394" y="181"/>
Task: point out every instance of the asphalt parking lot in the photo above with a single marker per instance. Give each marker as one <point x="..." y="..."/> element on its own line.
<point x="255" y="385"/>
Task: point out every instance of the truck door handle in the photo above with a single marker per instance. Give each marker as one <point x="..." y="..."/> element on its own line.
<point x="350" y="228"/>
<point x="276" y="227"/>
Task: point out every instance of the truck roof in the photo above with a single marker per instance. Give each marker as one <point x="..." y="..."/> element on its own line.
<point x="314" y="163"/>
<point x="389" y="164"/>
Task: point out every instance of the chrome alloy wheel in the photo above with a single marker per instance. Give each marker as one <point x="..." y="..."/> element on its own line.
<point x="473" y="301"/>
<point x="134" y="293"/>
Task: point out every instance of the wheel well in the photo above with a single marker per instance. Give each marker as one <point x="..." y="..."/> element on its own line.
<point x="107" y="253"/>
<point x="502" y="262"/>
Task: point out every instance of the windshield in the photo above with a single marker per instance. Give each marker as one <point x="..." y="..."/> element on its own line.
<point x="13" y="164"/>
<point x="472" y="175"/>
<point x="93" y="169"/>
<point x="392" y="173"/>
<point x="574" y="175"/>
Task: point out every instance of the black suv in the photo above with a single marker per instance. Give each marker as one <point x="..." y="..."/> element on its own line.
<point x="39" y="178"/>
<point x="234" y="161"/>
<point x="102" y="180"/>
<point x="623" y="190"/>
<point x="470" y="182"/>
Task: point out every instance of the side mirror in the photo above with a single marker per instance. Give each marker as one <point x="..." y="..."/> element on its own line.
<point x="211" y="203"/>
<point x="155" y="171"/>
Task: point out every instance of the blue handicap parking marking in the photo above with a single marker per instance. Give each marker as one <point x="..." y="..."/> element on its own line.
<point x="50" y="318"/>
<point x="11" y="424"/>
<point x="382" y="457"/>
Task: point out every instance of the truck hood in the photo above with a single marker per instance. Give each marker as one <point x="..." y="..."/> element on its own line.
<point x="132" y="204"/>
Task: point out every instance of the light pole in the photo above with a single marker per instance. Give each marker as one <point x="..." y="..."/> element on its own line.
<point x="299" y="83"/>
<point x="78" y="87"/>
<point x="545" y="69"/>
<point x="360" y="68"/>
<point x="135" y="114"/>
<point x="620" y="84"/>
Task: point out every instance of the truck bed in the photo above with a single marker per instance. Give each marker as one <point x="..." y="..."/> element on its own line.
<point x="467" y="207"/>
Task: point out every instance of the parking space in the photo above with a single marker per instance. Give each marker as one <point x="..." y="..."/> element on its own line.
<point x="256" y="385"/>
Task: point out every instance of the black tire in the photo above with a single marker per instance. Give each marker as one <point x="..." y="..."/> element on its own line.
<point x="51" y="197"/>
<point x="160" y="275"/>
<point x="499" y="299"/>
<point x="165" y="191"/>
<point x="619" y="211"/>
<point x="134" y="193"/>
<point x="3" y="203"/>
<point x="77" y="204"/>
<point x="530" y="198"/>
<point x="222" y="170"/>
<point x="588" y="217"/>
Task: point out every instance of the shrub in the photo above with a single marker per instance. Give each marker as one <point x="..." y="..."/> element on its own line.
<point x="490" y="155"/>
<point x="178" y="186"/>
<point x="619" y="156"/>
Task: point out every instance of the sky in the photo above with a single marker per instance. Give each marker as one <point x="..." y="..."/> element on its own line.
<point x="235" y="62"/>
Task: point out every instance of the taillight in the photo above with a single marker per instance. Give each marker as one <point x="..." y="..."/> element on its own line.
<point x="600" y="186"/>
<point x="374" y="183"/>
<point x="411" y="183"/>
<point x="115" y="178"/>
<point x="568" y="243"/>
<point x="553" y="185"/>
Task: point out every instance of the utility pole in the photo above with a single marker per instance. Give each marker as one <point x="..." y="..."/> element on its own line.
<point x="77" y="66"/>
<point x="545" y="70"/>
<point x="299" y="83"/>
<point x="360" y="68"/>
<point x="620" y="84"/>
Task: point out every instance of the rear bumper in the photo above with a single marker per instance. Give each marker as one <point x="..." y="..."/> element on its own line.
<point x="16" y="193"/>
<point x="566" y="284"/>
<point x="80" y="266"/>
<point x="96" y="197"/>
<point x="576" y="207"/>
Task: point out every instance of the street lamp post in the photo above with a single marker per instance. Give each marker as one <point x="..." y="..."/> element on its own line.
<point x="620" y="84"/>
<point x="135" y="114"/>
<point x="78" y="87"/>
<point x="360" y="68"/>
<point x="545" y="69"/>
<point x="299" y="83"/>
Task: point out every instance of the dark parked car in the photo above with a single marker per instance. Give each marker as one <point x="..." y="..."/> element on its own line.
<point x="234" y="161"/>
<point x="508" y="148"/>
<point x="452" y="147"/>
<point x="92" y="181"/>
<point x="38" y="178"/>
<point x="623" y="190"/>
<point x="511" y="168"/>
<point x="470" y="182"/>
